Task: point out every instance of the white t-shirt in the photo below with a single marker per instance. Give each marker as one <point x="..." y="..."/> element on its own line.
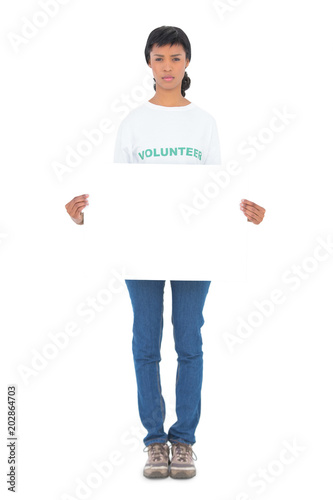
<point x="152" y="133"/>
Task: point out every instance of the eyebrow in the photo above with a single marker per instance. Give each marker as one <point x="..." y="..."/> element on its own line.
<point x="161" y="55"/>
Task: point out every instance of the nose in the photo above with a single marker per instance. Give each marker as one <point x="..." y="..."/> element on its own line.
<point x="167" y="66"/>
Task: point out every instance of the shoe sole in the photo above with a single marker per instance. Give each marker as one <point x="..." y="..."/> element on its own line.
<point x="155" y="474"/>
<point x="182" y="474"/>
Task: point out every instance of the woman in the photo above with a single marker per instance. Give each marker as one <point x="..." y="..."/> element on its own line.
<point x="168" y="129"/>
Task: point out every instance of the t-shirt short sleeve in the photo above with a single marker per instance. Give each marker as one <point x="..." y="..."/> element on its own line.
<point x="122" y="145"/>
<point x="214" y="152"/>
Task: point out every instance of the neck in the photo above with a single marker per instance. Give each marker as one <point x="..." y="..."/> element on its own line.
<point x="169" y="98"/>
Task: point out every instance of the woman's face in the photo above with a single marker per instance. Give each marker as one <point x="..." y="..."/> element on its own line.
<point x="168" y="61"/>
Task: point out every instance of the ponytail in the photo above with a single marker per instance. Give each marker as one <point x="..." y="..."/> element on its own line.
<point x="186" y="83"/>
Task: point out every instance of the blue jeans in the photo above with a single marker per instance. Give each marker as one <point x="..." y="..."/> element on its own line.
<point x="188" y="299"/>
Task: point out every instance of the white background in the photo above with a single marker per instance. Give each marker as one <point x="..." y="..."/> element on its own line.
<point x="80" y="68"/>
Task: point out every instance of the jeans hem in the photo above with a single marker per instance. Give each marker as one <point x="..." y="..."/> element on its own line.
<point x="175" y="441"/>
<point x="155" y="441"/>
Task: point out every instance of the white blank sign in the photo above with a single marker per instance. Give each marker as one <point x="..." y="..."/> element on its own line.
<point x="168" y="222"/>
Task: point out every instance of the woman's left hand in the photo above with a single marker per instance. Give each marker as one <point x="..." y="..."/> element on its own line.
<point x="255" y="213"/>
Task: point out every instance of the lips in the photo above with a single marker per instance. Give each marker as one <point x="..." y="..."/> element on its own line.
<point x="168" y="77"/>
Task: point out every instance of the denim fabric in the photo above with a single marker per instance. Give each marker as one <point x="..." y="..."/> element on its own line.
<point x="188" y="299"/>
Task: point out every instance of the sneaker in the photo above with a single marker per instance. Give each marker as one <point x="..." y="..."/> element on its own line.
<point x="157" y="465"/>
<point x="182" y="465"/>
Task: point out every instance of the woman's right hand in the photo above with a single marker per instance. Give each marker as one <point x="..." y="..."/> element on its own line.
<point x="75" y="207"/>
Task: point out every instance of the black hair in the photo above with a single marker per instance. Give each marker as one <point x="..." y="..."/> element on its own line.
<point x="170" y="35"/>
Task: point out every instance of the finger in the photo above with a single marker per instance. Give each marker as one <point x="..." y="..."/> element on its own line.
<point x="253" y="217"/>
<point x="249" y="203"/>
<point x="260" y="212"/>
<point x="252" y="211"/>
<point x="72" y="205"/>
<point x="76" y="199"/>
<point x="248" y="206"/>
<point x="77" y="214"/>
<point x="76" y="208"/>
<point x="79" y="208"/>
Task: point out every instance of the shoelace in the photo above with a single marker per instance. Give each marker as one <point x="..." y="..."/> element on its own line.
<point x="182" y="449"/>
<point x="157" y="450"/>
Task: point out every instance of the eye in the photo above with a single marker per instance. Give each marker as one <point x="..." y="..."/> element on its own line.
<point x="175" y="58"/>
